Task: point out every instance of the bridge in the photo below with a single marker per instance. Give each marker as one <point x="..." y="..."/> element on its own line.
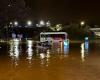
<point x="29" y="32"/>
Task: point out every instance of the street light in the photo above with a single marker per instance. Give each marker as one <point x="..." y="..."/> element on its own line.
<point x="16" y="23"/>
<point x="42" y="23"/>
<point x="48" y="24"/>
<point x="11" y="23"/>
<point x="82" y="23"/>
<point x="29" y="23"/>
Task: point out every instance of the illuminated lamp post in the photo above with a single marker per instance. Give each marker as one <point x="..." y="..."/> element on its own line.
<point x="16" y="23"/>
<point x="42" y="23"/>
<point x="29" y="23"/>
<point x="82" y="23"/>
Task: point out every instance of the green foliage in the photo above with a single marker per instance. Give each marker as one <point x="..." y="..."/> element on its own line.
<point x="75" y="31"/>
<point x="57" y="27"/>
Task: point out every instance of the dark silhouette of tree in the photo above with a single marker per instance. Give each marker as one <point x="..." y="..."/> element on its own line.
<point x="13" y="10"/>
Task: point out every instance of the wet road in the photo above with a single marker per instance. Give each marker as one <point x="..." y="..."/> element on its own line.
<point x="69" y="62"/>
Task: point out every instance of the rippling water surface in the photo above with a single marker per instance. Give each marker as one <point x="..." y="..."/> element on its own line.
<point x="77" y="61"/>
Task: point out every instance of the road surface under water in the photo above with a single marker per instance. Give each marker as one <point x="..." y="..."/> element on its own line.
<point x="69" y="62"/>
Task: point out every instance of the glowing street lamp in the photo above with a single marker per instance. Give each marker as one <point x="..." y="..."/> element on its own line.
<point x="11" y="23"/>
<point x="29" y="23"/>
<point x="82" y="23"/>
<point x="16" y="23"/>
<point x="42" y="23"/>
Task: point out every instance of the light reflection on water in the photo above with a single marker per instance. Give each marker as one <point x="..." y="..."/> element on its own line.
<point x="84" y="50"/>
<point x="29" y="50"/>
<point x="60" y="48"/>
<point x="42" y="53"/>
<point x="45" y="57"/>
<point x="14" y="50"/>
<point x="66" y="49"/>
<point x="49" y="63"/>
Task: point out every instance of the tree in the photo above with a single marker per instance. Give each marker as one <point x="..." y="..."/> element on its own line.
<point x="57" y="27"/>
<point x="10" y="11"/>
<point x="13" y="10"/>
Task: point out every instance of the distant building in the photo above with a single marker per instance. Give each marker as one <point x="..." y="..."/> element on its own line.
<point x="96" y="31"/>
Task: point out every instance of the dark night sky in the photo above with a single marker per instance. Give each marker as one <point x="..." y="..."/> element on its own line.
<point x="65" y="10"/>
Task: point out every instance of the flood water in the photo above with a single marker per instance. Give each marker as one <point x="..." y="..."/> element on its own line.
<point x="70" y="62"/>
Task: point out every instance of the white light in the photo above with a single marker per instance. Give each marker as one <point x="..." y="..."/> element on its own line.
<point x="30" y="42"/>
<point x="82" y="52"/>
<point x="16" y="40"/>
<point x="37" y="25"/>
<point x="29" y="23"/>
<point x="14" y="49"/>
<point x="16" y="23"/>
<point x="11" y="23"/>
<point x="29" y="50"/>
<point x="42" y="55"/>
<point x="42" y="23"/>
<point x="82" y="23"/>
<point x="48" y="54"/>
<point x="9" y="5"/>
<point x="48" y="23"/>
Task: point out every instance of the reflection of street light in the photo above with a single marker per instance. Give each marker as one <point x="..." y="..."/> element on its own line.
<point x="29" y="23"/>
